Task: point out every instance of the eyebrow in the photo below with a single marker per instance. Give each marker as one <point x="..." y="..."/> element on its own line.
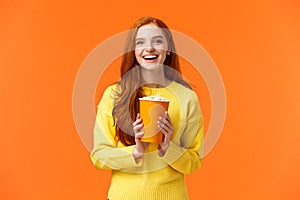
<point x="158" y="36"/>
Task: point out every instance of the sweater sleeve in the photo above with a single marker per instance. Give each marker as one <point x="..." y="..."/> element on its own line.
<point x="105" y="154"/>
<point x="185" y="157"/>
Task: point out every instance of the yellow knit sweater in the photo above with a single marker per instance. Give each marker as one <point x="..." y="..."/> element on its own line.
<point x="155" y="177"/>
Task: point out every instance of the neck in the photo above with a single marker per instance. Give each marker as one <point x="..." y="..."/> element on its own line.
<point x="154" y="78"/>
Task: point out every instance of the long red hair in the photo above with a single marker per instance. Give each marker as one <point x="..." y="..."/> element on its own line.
<point x="127" y="97"/>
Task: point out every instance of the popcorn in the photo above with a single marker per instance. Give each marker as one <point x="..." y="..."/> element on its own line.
<point x="154" y="98"/>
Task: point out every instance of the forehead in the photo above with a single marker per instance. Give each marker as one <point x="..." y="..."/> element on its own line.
<point x="149" y="31"/>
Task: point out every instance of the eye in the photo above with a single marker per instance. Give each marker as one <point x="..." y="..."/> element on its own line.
<point x="139" y="43"/>
<point x="158" y="41"/>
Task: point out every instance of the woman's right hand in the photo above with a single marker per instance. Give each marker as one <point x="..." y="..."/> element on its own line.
<point x="140" y="148"/>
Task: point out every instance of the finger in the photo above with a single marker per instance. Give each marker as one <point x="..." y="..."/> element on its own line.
<point x="162" y="125"/>
<point x="169" y="122"/>
<point x="165" y="119"/>
<point x="169" y="127"/>
<point x="138" y="121"/>
<point x="138" y="116"/>
<point x="167" y="116"/>
<point x="138" y="128"/>
<point x="166" y="134"/>
<point x="165" y="130"/>
<point x="139" y="135"/>
<point x="163" y="122"/>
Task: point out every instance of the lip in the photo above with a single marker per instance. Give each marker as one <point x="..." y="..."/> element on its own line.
<point x="150" y="58"/>
<point x="150" y="55"/>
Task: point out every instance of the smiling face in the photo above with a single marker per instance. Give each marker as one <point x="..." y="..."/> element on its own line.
<point x="151" y="46"/>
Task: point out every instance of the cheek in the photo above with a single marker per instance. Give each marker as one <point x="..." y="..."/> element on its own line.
<point x="163" y="53"/>
<point x="163" y="57"/>
<point x="137" y="52"/>
<point x="162" y="49"/>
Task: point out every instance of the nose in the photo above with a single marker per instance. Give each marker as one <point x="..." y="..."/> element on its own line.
<point x="149" y="47"/>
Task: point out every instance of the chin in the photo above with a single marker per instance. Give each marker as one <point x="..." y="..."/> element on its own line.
<point x="151" y="66"/>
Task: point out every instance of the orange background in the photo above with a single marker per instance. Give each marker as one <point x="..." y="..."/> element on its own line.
<point x="255" y="45"/>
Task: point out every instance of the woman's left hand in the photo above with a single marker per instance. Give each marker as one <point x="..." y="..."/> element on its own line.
<point x="166" y="127"/>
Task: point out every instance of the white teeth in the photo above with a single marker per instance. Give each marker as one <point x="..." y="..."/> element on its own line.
<point x="150" y="56"/>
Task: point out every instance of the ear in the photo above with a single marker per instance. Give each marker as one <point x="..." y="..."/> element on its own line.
<point x="168" y="53"/>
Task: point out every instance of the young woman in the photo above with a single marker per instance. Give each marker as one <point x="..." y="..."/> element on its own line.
<point x="140" y="170"/>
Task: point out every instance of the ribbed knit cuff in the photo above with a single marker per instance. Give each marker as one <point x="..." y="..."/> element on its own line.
<point x="128" y="160"/>
<point x="115" y="158"/>
<point x="173" y="152"/>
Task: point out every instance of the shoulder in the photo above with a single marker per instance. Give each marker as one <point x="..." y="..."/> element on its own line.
<point x="111" y="91"/>
<point x="108" y="95"/>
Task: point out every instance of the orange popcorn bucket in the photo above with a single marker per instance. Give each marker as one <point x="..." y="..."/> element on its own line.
<point x="150" y="111"/>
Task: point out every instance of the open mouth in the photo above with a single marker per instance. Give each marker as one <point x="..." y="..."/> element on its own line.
<point x="150" y="57"/>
